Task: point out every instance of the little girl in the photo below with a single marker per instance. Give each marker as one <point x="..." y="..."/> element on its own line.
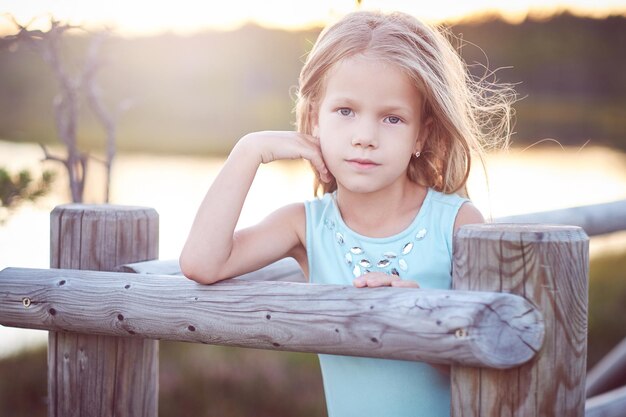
<point x="389" y="119"/>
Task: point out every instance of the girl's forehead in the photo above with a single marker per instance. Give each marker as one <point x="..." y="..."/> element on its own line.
<point x="370" y="76"/>
<point x="364" y="60"/>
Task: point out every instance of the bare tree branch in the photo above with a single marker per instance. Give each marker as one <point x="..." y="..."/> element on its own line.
<point x="50" y="157"/>
<point x="66" y="102"/>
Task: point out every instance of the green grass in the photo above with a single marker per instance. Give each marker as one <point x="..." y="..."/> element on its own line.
<point x="607" y="304"/>
<point x="203" y="380"/>
<point x="194" y="380"/>
<point x="24" y="384"/>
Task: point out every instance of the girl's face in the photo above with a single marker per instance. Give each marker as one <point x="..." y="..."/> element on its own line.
<point x="369" y="124"/>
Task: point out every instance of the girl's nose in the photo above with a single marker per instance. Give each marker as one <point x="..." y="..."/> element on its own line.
<point x="365" y="135"/>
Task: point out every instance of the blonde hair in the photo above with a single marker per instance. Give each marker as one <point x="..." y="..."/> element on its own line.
<point x="468" y="116"/>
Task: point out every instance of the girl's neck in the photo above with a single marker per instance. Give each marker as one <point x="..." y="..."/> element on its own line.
<point x="382" y="213"/>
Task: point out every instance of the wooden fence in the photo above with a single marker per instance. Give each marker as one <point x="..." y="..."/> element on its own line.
<point x="513" y="329"/>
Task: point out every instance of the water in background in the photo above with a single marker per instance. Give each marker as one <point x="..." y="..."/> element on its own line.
<point x="537" y="179"/>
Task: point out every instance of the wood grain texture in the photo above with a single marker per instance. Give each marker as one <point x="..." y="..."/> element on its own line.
<point x="548" y="265"/>
<point x="475" y="328"/>
<point x="95" y="375"/>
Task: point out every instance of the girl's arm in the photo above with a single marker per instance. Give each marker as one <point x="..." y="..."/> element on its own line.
<point x="213" y="250"/>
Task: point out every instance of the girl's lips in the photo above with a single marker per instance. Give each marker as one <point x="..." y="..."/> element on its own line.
<point x="362" y="163"/>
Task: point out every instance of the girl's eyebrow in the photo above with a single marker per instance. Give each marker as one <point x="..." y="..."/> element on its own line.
<point x="340" y="100"/>
<point x="396" y="109"/>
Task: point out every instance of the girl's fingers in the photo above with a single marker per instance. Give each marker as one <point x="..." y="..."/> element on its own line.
<point x="318" y="163"/>
<point x="405" y="284"/>
<point x="276" y="145"/>
<point x="375" y="279"/>
<point x="379" y="279"/>
<point x="359" y="282"/>
<point x="316" y="158"/>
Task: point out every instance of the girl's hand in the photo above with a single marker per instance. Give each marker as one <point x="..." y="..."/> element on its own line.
<point x="380" y="279"/>
<point x="276" y="145"/>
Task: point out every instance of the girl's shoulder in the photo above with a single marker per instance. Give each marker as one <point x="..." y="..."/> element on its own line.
<point x="320" y="213"/>
<point x="293" y="213"/>
<point x="325" y="198"/>
<point x="453" y="200"/>
<point x="461" y="209"/>
<point x="317" y="206"/>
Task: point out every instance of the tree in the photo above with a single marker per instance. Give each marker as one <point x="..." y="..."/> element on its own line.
<point x="72" y="87"/>
<point x="16" y="189"/>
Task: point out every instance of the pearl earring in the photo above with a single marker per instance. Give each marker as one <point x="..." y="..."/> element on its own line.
<point x="417" y="154"/>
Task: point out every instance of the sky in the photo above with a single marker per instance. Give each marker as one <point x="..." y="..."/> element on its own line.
<point x="145" y="17"/>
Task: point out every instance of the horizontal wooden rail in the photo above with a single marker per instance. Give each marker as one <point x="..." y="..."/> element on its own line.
<point x="285" y="270"/>
<point x="595" y="219"/>
<point x="608" y="373"/>
<point x="496" y="330"/>
<point x="609" y="404"/>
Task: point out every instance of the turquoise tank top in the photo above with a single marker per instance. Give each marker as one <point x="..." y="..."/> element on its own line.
<point x="356" y="386"/>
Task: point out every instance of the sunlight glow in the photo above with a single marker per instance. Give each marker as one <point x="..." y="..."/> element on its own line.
<point x="185" y="16"/>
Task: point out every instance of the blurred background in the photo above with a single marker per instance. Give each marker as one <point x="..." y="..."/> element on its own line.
<point x="183" y="81"/>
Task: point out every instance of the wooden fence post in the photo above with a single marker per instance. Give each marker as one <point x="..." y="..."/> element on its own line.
<point x="548" y="265"/>
<point x="91" y="375"/>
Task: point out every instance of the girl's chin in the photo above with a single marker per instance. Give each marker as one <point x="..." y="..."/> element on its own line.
<point x="359" y="188"/>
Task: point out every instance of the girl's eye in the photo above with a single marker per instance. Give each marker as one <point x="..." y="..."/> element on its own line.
<point x="345" y="112"/>
<point x="394" y="120"/>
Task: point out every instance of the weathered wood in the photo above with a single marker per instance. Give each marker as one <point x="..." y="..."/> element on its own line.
<point x="91" y="375"/>
<point x="595" y="219"/>
<point x="548" y="265"/>
<point x="473" y="328"/>
<point x="155" y="267"/>
<point x="286" y="270"/>
<point x="609" y="372"/>
<point x="609" y="404"/>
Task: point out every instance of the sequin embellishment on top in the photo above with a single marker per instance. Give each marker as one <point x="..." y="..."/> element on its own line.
<point x="359" y="262"/>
